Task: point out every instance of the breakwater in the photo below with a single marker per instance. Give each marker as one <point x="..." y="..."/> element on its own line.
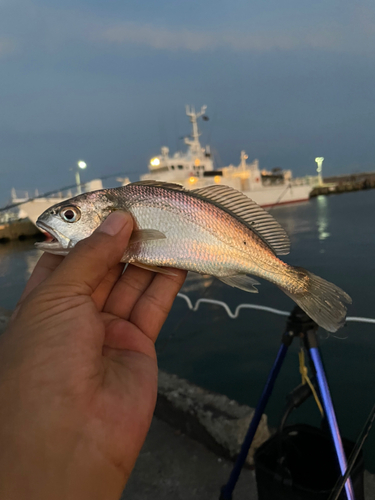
<point x="18" y="230"/>
<point x="345" y="184"/>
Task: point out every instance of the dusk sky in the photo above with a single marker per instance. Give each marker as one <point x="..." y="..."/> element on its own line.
<point x="107" y="83"/>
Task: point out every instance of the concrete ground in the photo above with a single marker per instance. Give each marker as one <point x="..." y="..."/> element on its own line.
<point x="173" y="466"/>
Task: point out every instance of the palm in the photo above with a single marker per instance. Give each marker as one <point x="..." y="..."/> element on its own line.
<point x="114" y="372"/>
<point x="132" y="312"/>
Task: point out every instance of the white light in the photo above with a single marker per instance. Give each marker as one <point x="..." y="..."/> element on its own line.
<point x="155" y="162"/>
<point x="319" y="161"/>
<point x="82" y="164"/>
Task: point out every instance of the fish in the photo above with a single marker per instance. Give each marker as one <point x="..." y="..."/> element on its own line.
<point x="213" y="230"/>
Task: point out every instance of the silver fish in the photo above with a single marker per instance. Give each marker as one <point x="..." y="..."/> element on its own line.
<point x="214" y="230"/>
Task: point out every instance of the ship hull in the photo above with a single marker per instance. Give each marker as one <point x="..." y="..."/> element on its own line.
<point x="279" y="195"/>
<point x="35" y="208"/>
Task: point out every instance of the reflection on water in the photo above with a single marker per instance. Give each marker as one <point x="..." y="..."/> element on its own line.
<point x="17" y="261"/>
<point x="295" y="219"/>
<point x="322" y="217"/>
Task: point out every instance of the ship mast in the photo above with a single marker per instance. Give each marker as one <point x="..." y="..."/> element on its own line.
<point x="195" y="146"/>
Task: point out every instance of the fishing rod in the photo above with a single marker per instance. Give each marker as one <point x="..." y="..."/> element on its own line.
<point x="354" y="455"/>
<point x="71" y="186"/>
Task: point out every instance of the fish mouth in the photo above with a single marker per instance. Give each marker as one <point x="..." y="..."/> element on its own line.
<point x="54" y="242"/>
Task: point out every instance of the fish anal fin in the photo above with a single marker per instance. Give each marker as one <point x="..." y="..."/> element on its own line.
<point x="140" y="235"/>
<point x="154" y="269"/>
<point x="248" y="213"/>
<point x="241" y="281"/>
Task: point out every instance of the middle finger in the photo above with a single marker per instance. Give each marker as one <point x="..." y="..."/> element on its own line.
<point x="126" y="292"/>
<point x="102" y="292"/>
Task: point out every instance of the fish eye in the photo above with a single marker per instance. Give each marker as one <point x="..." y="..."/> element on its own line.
<point x="70" y="214"/>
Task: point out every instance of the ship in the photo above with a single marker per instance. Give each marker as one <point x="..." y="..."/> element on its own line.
<point x="194" y="168"/>
<point x="34" y="206"/>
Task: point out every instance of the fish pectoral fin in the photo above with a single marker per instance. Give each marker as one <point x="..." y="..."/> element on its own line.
<point x="154" y="269"/>
<point x="145" y="235"/>
<point x="242" y="282"/>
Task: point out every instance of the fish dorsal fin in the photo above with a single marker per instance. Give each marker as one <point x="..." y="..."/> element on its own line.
<point x="249" y="213"/>
<point x="167" y="185"/>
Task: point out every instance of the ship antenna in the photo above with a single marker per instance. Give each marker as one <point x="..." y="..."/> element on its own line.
<point x="194" y="143"/>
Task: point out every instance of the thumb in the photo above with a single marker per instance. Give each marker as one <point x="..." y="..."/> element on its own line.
<point x="92" y="258"/>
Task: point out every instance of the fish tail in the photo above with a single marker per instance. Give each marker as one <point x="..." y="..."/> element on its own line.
<point x="323" y="301"/>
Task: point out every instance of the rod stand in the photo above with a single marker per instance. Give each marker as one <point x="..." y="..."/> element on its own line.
<point x="299" y="324"/>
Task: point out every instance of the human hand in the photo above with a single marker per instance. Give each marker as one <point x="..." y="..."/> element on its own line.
<point x="78" y="371"/>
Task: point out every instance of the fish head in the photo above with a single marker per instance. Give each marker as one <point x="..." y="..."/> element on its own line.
<point x="70" y="221"/>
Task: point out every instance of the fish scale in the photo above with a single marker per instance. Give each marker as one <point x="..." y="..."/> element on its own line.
<point x="213" y="242"/>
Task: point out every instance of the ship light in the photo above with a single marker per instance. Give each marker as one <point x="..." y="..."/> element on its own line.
<point x="217" y="179"/>
<point x="155" y="162"/>
<point x="197" y="162"/>
<point x="193" y="180"/>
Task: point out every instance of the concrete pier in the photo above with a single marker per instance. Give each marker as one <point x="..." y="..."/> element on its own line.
<point x="18" y="230"/>
<point x="345" y="184"/>
<point x="212" y="419"/>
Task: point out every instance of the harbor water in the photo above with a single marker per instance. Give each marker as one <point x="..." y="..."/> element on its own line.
<point x="334" y="238"/>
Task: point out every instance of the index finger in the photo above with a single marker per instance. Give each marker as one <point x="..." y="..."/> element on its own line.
<point x="92" y="258"/>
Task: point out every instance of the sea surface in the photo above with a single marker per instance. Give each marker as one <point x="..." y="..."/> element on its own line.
<point x="333" y="237"/>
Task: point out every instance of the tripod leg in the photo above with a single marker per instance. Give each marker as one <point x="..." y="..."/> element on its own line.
<point x="227" y="489"/>
<point x="329" y="411"/>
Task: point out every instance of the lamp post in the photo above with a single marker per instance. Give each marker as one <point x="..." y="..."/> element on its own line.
<point x="319" y="162"/>
<point x="82" y="165"/>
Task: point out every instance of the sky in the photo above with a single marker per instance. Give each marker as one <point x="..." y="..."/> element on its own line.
<point x="107" y="82"/>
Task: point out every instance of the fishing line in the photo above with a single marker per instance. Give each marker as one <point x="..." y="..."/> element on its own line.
<point x="279" y="198"/>
<point x="215" y="154"/>
<point x="272" y="310"/>
<point x="71" y="186"/>
<point x="187" y="315"/>
<point x="210" y="130"/>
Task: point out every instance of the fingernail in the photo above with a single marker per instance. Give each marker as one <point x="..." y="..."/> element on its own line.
<point x="114" y="223"/>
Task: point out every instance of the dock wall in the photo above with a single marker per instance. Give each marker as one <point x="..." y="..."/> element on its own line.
<point x="18" y="230"/>
<point x="345" y="184"/>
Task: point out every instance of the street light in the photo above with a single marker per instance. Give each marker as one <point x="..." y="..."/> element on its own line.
<point x="82" y="165"/>
<point x="319" y="162"/>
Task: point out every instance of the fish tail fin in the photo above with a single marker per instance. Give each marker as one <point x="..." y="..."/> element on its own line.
<point x="323" y="301"/>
